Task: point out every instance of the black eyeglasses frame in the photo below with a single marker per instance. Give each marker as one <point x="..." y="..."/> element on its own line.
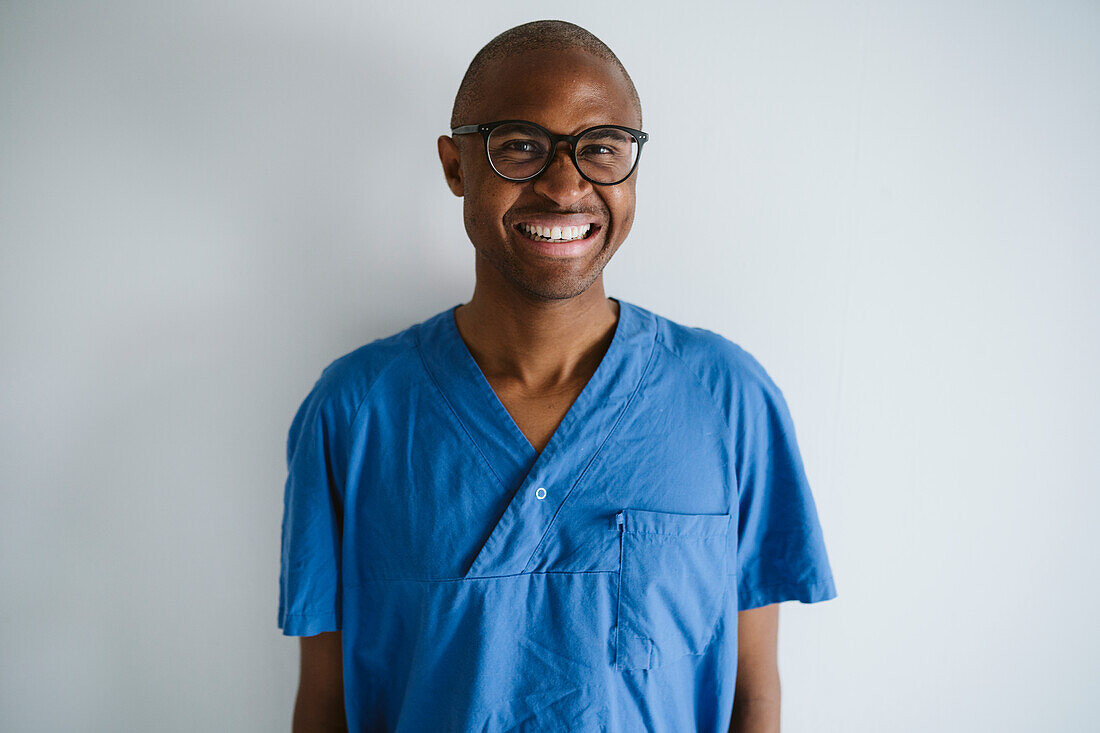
<point x="486" y="128"/>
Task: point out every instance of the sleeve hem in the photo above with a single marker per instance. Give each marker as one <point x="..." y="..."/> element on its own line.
<point x="822" y="590"/>
<point x="300" y="624"/>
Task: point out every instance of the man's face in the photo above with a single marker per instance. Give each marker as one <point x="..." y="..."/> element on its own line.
<point x="565" y="92"/>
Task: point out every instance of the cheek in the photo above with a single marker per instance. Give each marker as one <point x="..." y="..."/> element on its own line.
<point x="469" y="216"/>
<point x="480" y="197"/>
<point x="497" y="196"/>
<point x="484" y="207"/>
<point x="622" y="209"/>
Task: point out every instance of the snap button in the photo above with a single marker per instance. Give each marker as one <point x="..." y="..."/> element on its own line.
<point x="540" y="493"/>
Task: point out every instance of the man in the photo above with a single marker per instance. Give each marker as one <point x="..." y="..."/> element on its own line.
<point x="544" y="510"/>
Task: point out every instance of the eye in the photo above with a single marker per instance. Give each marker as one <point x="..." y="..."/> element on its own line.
<point x="605" y="144"/>
<point x="517" y="148"/>
<point x="519" y="145"/>
<point x="596" y="150"/>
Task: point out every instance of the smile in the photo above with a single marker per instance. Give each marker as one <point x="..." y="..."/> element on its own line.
<point x="554" y="234"/>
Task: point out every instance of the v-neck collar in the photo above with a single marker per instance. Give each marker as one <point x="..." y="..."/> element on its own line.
<point x="493" y="432"/>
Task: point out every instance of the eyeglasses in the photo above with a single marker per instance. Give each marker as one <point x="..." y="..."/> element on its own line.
<point x="519" y="150"/>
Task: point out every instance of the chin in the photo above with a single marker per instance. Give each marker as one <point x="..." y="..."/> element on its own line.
<point x="555" y="289"/>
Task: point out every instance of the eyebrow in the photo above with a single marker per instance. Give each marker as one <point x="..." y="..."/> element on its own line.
<point x="609" y="134"/>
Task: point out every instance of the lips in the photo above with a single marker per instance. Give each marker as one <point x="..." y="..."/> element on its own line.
<point x="560" y="236"/>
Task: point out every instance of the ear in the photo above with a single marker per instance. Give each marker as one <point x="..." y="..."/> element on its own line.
<point x="452" y="165"/>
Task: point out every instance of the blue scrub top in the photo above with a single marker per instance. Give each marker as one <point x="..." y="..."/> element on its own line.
<point x="482" y="586"/>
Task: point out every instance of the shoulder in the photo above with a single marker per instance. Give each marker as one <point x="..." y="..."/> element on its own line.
<point x="732" y="376"/>
<point x="348" y="379"/>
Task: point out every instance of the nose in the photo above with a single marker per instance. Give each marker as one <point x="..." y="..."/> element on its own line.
<point x="561" y="182"/>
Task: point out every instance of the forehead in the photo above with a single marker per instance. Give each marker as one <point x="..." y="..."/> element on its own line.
<point x="563" y="90"/>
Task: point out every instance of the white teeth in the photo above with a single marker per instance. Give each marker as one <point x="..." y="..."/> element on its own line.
<point x="556" y="234"/>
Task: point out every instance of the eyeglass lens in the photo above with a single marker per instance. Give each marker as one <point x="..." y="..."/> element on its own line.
<point x="604" y="154"/>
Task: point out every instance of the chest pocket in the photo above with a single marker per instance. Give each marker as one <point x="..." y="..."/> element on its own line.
<point x="672" y="583"/>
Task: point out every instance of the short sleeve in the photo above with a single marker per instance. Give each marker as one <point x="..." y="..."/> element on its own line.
<point x="309" y="578"/>
<point x="780" y="548"/>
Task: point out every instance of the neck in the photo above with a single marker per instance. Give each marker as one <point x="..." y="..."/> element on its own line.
<point x="537" y="344"/>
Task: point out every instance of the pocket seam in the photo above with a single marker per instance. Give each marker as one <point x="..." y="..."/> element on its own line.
<point x="619" y="602"/>
<point x="674" y="534"/>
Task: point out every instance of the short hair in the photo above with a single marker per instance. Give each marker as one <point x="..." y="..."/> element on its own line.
<point x="556" y="35"/>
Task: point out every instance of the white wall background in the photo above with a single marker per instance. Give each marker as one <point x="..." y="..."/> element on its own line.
<point x="893" y="205"/>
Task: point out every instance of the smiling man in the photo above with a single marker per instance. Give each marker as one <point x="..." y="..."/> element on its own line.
<point x="544" y="509"/>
